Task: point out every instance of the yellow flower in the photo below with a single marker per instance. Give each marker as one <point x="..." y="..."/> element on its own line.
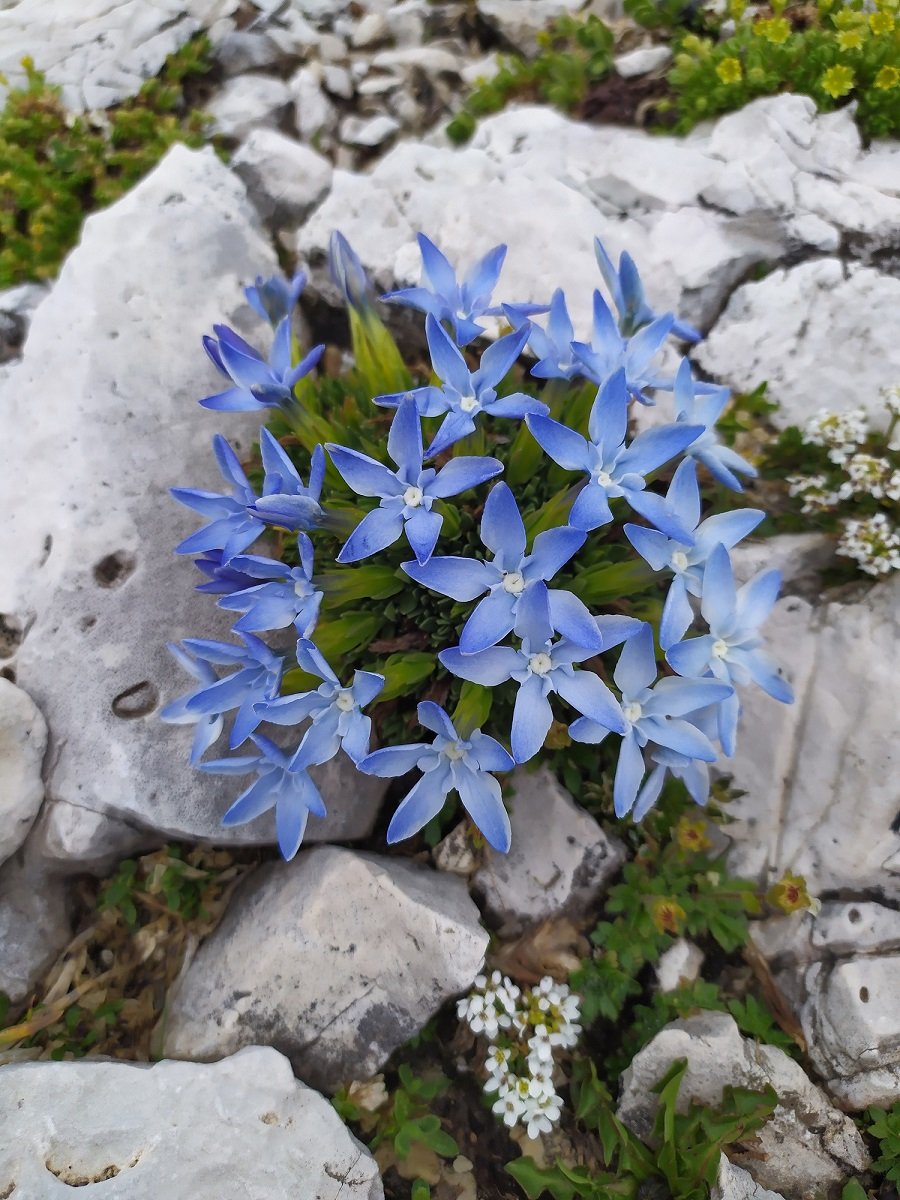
<point x="729" y="70"/>
<point x="887" y="78"/>
<point x="837" y="81"/>
<point x="791" y="894"/>
<point x="881" y="22"/>
<point x="667" y="915"/>
<point x="776" y="30"/>
<point x="849" y="39"/>
<point x="691" y="835"/>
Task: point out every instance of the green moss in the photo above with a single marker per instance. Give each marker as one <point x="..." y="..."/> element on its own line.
<point x="55" y="168"/>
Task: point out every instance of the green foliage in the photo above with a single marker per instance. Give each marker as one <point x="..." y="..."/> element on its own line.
<point x="56" y="168"/>
<point x="685" y="1146"/>
<point x="573" y="54"/>
<point x="833" y="52"/>
<point x="166" y="878"/>
<point x="406" y="1120"/>
<point x="884" y="1126"/>
<point x="664" y="892"/>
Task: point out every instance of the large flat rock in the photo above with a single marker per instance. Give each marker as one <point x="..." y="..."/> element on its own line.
<point x="241" y="1129"/>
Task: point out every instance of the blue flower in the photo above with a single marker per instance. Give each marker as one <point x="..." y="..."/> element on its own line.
<point x="464" y="394"/>
<point x="551" y="346"/>
<point x="540" y="667"/>
<point x="445" y="299"/>
<point x="335" y="712"/>
<point x="687" y="560"/>
<point x="274" y="299"/>
<point x="209" y="725"/>
<point x="257" y="384"/>
<point x="407" y="494"/>
<point x="286" y="501"/>
<point x="349" y="274"/>
<point x="508" y="576"/>
<point x="614" y="468"/>
<point x="732" y="650"/>
<point x="628" y="296"/>
<point x="232" y="527"/>
<point x="610" y="352"/>
<point x="287" y="597"/>
<point x="653" y="713"/>
<point x="693" y="773"/>
<point x="282" y="784"/>
<point x="257" y="678"/>
<point x="449" y="763"/>
<point x="702" y="404"/>
<point x="223" y="578"/>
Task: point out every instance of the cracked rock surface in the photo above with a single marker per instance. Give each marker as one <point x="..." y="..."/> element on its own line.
<point x="336" y="959"/>
<point x="23" y="739"/>
<point x="240" y="1129"/>
<point x="807" y="1146"/>
<point x="102" y="420"/>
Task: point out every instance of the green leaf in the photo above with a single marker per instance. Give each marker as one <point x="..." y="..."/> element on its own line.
<point x="611" y="581"/>
<point x="338" y="638"/>
<point x="403" y="672"/>
<point x="854" y="1190"/>
<point x="473" y="707"/>
<point x="535" y="1181"/>
<point x="367" y="582"/>
<point x="420" y="1190"/>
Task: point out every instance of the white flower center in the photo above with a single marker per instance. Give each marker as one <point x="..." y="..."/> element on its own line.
<point x="454" y="751"/>
<point x="468" y="403"/>
<point x="345" y="702"/>
<point x="603" y="478"/>
<point x="301" y="588"/>
<point x="540" y="664"/>
<point x="413" y="497"/>
<point x="513" y="583"/>
<point x="720" y="648"/>
<point x="633" y="712"/>
<point x="679" y="560"/>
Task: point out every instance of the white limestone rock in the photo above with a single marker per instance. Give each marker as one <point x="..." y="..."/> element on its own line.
<point x="520" y="21"/>
<point x="284" y="178"/>
<point x="822" y="787"/>
<point x="678" y="965"/>
<point x="249" y="50"/>
<point x="560" y="859"/>
<point x="851" y="1024"/>
<point x="101" y="419"/>
<point x="34" y="925"/>
<point x="314" y="114"/>
<point x="23" y="740"/>
<point x="98" y="51"/>
<point x="800" y="557"/>
<point x="335" y="959"/>
<point x="734" y="1183"/>
<point x="855" y="927"/>
<point x="642" y="61"/>
<point x="368" y="132"/>
<point x="806" y="1145"/>
<point x="809" y="331"/>
<point x="240" y="1129"/>
<point x="248" y="102"/>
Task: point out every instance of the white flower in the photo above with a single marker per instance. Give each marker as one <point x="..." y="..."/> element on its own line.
<point x="873" y="543"/>
<point x="869" y="476"/>
<point x="541" y="1114"/>
<point x="510" y="1107"/>
<point x="813" y="490"/>
<point x="497" y="1061"/>
<point x="891" y="396"/>
<point x="841" y="432"/>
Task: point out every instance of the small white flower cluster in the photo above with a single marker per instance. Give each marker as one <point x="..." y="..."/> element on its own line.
<point x="871" y="476"/>
<point x="841" y="432"/>
<point x="891" y="397"/>
<point x="813" y="490"/>
<point x="525" y="1030"/>
<point x="873" y="543"/>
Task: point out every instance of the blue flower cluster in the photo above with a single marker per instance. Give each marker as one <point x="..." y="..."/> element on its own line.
<point x="522" y="630"/>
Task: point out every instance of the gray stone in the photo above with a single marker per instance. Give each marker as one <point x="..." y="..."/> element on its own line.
<point x="337" y="81"/>
<point x="678" y="965"/>
<point x="246" y="102"/>
<point x="241" y="1129"/>
<point x="855" y="927"/>
<point x="806" y="1146"/>
<point x="801" y="766"/>
<point x="99" y="51"/>
<point x="335" y="959"/>
<point x="368" y="132"/>
<point x="17" y="305"/>
<point x="808" y="330"/>
<point x="23" y="740"/>
<point x="314" y="114"/>
<point x="800" y="557"/>
<point x="34" y="925"/>
<point x="248" y="50"/>
<point x="561" y="859"/>
<point x="734" y="1183"/>
<point x="369" y="30"/>
<point x="851" y="1023"/>
<point x="102" y="419"/>
<point x="67" y="839"/>
<point x="642" y="61"/>
<point x="284" y="178"/>
<point x="520" y="21"/>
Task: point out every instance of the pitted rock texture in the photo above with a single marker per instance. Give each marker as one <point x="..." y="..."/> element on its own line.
<point x="335" y="959"/>
<point x="35" y="924"/>
<point x="240" y="1129"/>
<point x="806" y="1148"/>
<point x="23" y="740"/>
<point x="561" y="860"/>
<point x="102" y="419"/>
